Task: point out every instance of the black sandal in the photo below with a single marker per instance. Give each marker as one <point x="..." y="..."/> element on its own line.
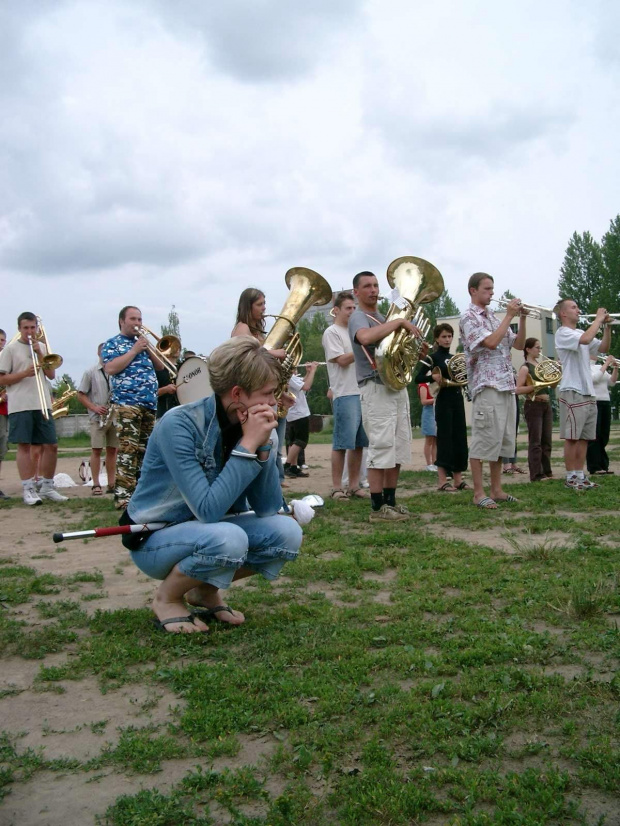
<point x="447" y="488"/>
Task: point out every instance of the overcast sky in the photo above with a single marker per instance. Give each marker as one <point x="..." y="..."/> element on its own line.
<point x="158" y="153"/>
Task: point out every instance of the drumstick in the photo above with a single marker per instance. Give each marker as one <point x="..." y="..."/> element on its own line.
<point x="113" y="530"/>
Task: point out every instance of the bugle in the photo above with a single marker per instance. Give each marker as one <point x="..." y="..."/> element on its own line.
<point x="165" y="348"/>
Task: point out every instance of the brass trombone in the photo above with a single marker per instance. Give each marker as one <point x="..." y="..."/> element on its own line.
<point x="51" y="361"/>
<point x="165" y="348"/>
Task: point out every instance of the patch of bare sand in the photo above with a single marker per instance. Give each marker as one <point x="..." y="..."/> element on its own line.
<point x="79" y="722"/>
<point x="496" y="538"/>
<point x="51" y="799"/>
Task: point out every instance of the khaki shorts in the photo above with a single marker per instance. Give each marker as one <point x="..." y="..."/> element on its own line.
<point x="577" y="416"/>
<point x="103" y="436"/>
<point x="386" y="420"/>
<point x="493" y="425"/>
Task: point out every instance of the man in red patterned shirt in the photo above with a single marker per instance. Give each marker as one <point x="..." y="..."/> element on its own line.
<point x="487" y="343"/>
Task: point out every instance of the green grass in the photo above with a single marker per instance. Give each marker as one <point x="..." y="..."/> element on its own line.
<point x="405" y="674"/>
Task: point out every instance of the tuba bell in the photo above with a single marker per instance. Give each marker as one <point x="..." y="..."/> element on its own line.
<point x="417" y="282"/>
<point x="307" y="289"/>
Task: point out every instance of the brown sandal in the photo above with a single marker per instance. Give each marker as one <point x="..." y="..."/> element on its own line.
<point x="358" y="493"/>
<point x="447" y="488"/>
<point x="97" y="490"/>
<point x="338" y="493"/>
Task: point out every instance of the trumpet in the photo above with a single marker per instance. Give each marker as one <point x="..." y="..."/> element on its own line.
<point x="165" y="348"/>
<point x="588" y="319"/>
<point x="602" y="358"/>
<point x="529" y="310"/>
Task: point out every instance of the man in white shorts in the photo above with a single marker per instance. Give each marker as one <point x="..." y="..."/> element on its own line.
<point x="94" y="393"/>
<point x="385" y="412"/>
<point x="576" y="390"/>
<point x="487" y="343"/>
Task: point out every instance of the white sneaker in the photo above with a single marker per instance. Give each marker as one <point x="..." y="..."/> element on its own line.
<point x="431" y="468"/>
<point x="51" y="493"/>
<point x="31" y="497"/>
<point x="364" y="484"/>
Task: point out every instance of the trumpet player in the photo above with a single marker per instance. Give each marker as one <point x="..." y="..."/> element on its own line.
<point x="487" y="343"/>
<point x="94" y="393"/>
<point x="130" y="363"/>
<point x="597" y="460"/>
<point x="385" y="412"/>
<point x="29" y="423"/>
<point x="576" y="390"/>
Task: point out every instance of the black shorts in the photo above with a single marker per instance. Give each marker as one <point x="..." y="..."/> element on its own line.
<point x="28" y="427"/>
<point x="298" y="432"/>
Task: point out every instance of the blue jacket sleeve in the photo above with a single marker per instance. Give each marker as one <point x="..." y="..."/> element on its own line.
<point x="209" y="502"/>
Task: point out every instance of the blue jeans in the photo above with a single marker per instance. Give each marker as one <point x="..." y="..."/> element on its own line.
<point x="349" y="432"/>
<point x="212" y="552"/>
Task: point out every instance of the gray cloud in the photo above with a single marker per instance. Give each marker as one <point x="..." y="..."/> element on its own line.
<point x="265" y="41"/>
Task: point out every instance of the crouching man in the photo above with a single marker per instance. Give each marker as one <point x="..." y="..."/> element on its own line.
<point x="209" y="471"/>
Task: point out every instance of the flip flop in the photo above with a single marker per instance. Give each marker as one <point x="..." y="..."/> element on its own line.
<point x="447" y="488"/>
<point x="464" y="486"/>
<point x="487" y="504"/>
<point x="207" y="614"/>
<point x="161" y="624"/>
<point x="97" y="490"/>
<point x="508" y="498"/>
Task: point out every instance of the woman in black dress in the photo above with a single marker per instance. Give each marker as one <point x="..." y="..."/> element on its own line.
<point x="452" y="452"/>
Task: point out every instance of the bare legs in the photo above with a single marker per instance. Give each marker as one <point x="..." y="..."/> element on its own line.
<point x="26" y="461"/>
<point x="379" y="478"/>
<point x="575" y="454"/>
<point x="497" y="492"/>
<point x="354" y="464"/>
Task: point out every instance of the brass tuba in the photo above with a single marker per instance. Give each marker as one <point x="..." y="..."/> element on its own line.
<point x="307" y="289"/>
<point x="418" y="282"/>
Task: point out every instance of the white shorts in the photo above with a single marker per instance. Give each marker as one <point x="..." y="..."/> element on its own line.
<point x="493" y="425"/>
<point x="387" y="422"/>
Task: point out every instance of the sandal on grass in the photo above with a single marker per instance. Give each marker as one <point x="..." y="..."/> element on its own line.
<point x="358" y="493"/>
<point x="487" y="504"/>
<point x="161" y="624"/>
<point x="338" y="493"/>
<point x="464" y="486"/>
<point x="97" y="490"/>
<point x="447" y="488"/>
<point x="507" y="498"/>
<point x="508" y="471"/>
<point x="207" y="614"/>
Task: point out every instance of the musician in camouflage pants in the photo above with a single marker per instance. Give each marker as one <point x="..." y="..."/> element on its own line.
<point x="131" y="366"/>
<point x="133" y="427"/>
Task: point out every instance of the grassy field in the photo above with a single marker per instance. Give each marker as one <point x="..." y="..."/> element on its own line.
<point x="461" y="668"/>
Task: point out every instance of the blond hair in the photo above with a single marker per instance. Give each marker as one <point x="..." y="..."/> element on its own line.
<point x="242" y="362"/>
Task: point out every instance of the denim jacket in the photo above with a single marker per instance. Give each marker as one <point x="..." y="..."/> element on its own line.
<point x="183" y="476"/>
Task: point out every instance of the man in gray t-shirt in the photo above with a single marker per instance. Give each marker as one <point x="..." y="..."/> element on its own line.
<point x="385" y="412"/>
